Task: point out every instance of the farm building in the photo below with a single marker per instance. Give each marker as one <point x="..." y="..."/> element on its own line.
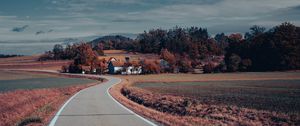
<point x="126" y="68"/>
<point x="115" y="67"/>
<point x="112" y="59"/>
<point x="132" y="70"/>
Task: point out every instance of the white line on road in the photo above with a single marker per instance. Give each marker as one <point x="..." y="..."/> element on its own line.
<point x="53" y="121"/>
<point x="107" y="91"/>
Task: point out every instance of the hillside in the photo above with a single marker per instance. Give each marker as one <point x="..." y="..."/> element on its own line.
<point x="112" y="42"/>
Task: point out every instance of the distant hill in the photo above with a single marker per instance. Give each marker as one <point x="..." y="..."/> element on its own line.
<point x="116" y="40"/>
<point x="128" y="35"/>
<point x="112" y="38"/>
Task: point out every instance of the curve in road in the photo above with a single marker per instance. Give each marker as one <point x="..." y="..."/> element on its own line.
<point x="94" y="106"/>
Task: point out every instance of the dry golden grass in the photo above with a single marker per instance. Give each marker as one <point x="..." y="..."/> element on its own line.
<point x="43" y="103"/>
<point x="163" y="118"/>
<point x="213" y="77"/>
<point x="114" y="52"/>
<point x="21" y="105"/>
<point x="217" y="117"/>
<point x="120" y="55"/>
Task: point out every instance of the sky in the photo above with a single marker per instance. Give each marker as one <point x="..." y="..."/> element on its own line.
<point x="50" y="19"/>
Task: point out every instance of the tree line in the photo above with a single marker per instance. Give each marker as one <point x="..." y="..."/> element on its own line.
<point x="186" y="48"/>
<point x="261" y="50"/>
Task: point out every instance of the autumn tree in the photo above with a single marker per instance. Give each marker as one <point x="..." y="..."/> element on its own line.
<point x="169" y="57"/>
<point x="99" y="64"/>
<point x="85" y="54"/>
<point x="150" y="67"/>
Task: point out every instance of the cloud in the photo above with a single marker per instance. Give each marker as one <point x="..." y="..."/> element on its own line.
<point x="39" y="32"/>
<point x="20" y="29"/>
<point x="81" y="17"/>
<point x="43" y="32"/>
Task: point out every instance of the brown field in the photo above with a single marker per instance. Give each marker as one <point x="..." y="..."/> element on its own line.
<point x="166" y="104"/>
<point x="114" y="52"/>
<point x="120" y="55"/>
<point x="30" y="62"/>
<point x="15" y="75"/>
<point x="271" y="95"/>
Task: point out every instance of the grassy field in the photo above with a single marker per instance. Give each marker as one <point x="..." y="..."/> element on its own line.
<point x="273" y="95"/>
<point x="21" y="80"/>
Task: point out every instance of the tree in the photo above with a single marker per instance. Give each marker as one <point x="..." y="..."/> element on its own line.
<point x="58" y="51"/>
<point x="287" y="42"/>
<point x="85" y="54"/>
<point x="70" y="52"/>
<point x="184" y="63"/>
<point x="169" y="57"/>
<point x="150" y="67"/>
<point x="222" y="41"/>
<point x="75" y="68"/>
<point x="236" y="37"/>
<point x="99" y="64"/>
<point x="209" y="68"/>
<point x="245" y="65"/>
<point x="233" y="63"/>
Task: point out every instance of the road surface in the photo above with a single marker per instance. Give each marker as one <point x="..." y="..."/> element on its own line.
<point x="94" y="106"/>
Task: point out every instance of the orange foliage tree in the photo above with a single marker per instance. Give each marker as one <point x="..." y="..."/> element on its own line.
<point x="85" y="55"/>
<point x="150" y="67"/>
<point x="169" y="57"/>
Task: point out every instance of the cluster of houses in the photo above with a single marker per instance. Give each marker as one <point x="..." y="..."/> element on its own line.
<point x="116" y="66"/>
<point x="127" y="67"/>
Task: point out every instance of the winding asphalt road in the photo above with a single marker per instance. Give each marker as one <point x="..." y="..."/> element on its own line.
<point x="94" y="106"/>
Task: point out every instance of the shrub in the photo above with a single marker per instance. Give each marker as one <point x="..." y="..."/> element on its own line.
<point x="73" y="68"/>
<point x="29" y="120"/>
<point x="209" y="68"/>
<point x="233" y="63"/>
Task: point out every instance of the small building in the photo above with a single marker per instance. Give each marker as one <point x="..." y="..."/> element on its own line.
<point x="112" y="59"/>
<point x="115" y="67"/>
<point x="132" y="70"/>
